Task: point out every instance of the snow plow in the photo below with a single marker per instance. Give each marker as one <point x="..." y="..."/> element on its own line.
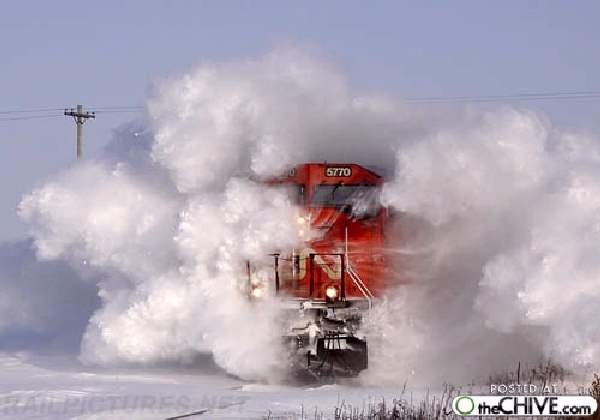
<point x="331" y="281"/>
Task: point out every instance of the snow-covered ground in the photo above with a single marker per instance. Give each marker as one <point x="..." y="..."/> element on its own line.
<point x="59" y="387"/>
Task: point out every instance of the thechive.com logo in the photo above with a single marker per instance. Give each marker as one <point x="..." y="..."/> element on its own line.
<point x="520" y="405"/>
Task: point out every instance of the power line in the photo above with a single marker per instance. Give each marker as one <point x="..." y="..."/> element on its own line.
<point x="30" y="117"/>
<point x="530" y="96"/>
<point x="535" y="96"/>
<point x="25" y="114"/>
<point x="132" y="107"/>
<point x="26" y="111"/>
<point x="47" y="109"/>
<point x="116" y="111"/>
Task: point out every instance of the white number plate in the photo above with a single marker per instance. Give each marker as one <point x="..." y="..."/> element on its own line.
<point x="338" y="171"/>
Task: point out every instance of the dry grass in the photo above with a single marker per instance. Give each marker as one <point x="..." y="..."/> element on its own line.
<point x="542" y="374"/>
<point x="403" y="408"/>
<point x="398" y="410"/>
<point x="595" y="392"/>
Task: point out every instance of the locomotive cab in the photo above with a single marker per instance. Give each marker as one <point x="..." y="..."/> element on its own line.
<point x="334" y="276"/>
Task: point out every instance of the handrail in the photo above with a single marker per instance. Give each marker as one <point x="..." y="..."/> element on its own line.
<point x="353" y="275"/>
<point x="359" y="283"/>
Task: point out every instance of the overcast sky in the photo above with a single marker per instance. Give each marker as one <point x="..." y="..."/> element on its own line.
<point x="107" y="53"/>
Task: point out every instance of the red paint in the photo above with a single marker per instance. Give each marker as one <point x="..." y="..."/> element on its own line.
<point x="365" y="231"/>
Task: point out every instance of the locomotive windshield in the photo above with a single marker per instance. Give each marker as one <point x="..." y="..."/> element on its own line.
<point x="294" y="192"/>
<point x="363" y="199"/>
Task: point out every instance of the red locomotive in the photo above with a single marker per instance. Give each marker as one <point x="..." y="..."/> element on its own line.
<point x="335" y="275"/>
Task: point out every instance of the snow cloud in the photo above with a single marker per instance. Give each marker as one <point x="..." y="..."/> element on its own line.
<point x="497" y="218"/>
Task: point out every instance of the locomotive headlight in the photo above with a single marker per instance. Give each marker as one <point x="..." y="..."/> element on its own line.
<point x="301" y="220"/>
<point x="331" y="292"/>
<point x="257" y="292"/>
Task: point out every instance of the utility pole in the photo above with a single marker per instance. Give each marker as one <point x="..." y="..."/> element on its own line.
<point x="80" y="118"/>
